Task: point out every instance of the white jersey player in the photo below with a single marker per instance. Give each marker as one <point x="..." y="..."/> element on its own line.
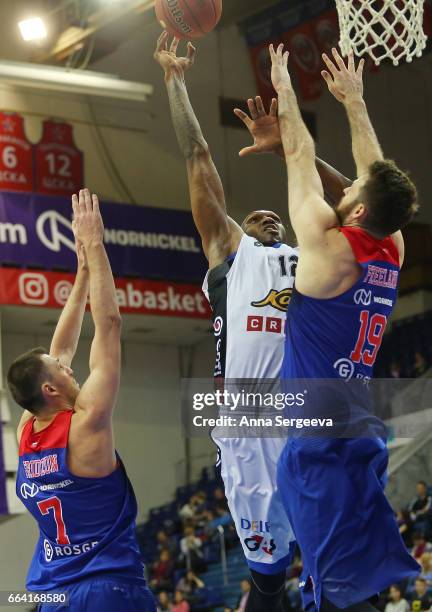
<point x="251" y="274"/>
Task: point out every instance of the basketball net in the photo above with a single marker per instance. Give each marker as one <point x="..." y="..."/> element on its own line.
<point x="382" y="28"/>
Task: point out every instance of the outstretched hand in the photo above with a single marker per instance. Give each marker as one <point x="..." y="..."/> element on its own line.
<point x="87" y="221"/>
<point x="279" y="73"/>
<point x="263" y="127"/>
<point x="345" y="82"/>
<point x="167" y="57"/>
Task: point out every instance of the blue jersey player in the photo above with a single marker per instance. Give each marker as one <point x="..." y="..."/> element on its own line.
<point x="346" y="287"/>
<point x="70" y="477"/>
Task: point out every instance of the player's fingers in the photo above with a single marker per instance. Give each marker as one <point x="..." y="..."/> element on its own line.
<point x="279" y="51"/>
<point x="329" y="64"/>
<point x="243" y="116"/>
<point x="161" y="43"/>
<point x="351" y="65"/>
<point x="191" y="52"/>
<point x="360" y="68"/>
<point x="252" y="109"/>
<point x="174" y="44"/>
<point x="285" y="58"/>
<point x="81" y="202"/>
<point x="87" y="200"/>
<point x="326" y="76"/>
<point x="260" y="106"/>
<point x="338" y="59"/>
<point x="248" y="151"/>
<point x="74" y="208"/>
<point x="273" y="107"/>
<point x="95" y="202"/>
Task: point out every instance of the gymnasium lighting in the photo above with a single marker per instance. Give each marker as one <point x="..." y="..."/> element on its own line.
<point x="32" y="29"/>
<point x="83" y="82"/>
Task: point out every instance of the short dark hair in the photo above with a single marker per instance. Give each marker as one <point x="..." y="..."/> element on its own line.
<point x="390" y="198"/>
<point x="25" y="377"/>
<point x="420" y="579"/>
<point x="422" y="482"/>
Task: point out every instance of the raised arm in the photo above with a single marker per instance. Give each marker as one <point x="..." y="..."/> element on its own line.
<point x="97" y="397"/>
<point x="310" y="216"/>
<point x="345" y="82"/>
<point x="265" y="131"/>
<point x="220" y="235"/>
<point x="67" y="332"/>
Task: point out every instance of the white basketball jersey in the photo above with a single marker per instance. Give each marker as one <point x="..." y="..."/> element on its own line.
<point x="249" y="295"/>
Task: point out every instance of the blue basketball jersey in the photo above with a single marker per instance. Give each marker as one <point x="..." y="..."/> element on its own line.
<point x="341" y="336"/>
<point x="333" y="485"/>
<point x="86" y="525"/>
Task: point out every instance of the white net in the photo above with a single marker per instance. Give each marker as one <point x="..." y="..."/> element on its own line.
<point x="382" y="28"/>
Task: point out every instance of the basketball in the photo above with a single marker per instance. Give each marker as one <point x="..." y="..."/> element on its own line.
<point x="188" y="18"/>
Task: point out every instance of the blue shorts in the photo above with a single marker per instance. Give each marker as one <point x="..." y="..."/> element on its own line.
<point x="107" y="595"/>
<point x="333" y="493"/>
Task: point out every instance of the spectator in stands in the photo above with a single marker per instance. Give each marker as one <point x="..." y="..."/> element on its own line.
<point x="395" y="369"/>
<point x="396" y="603"/>
<point x="187" y="512"/>
<point x="191" y="553"/>
<point x="420" y="546"/>
<point x="420" y="600"/>
<point x="219" y="499"/>
<point x="164" y="542"/>
<point x="161" y="573"/>
<point x="243" y="599"/>
<point x="164" y="604"/>
<point x="192" y="512"/>
<point x="405" y="526"/>
<point x="426" y="564"/>
<point x="420" y="365"/>
<point x="420" y="509"/>
<point x="189" y="584"/>
<point x="180" y="603"/>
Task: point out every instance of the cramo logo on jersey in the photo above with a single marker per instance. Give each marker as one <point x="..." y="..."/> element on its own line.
<point x="278" y="299"/>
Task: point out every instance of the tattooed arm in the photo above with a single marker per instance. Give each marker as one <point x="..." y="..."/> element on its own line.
<point x="219" y="233"/>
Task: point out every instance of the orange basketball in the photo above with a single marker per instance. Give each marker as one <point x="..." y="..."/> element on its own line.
<point x="188" y="18"/>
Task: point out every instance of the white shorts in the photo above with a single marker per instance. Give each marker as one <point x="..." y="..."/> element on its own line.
<point x="248" y="468"/>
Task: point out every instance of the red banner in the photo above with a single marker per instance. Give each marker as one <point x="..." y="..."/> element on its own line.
<point x="58" y="162"/>
<point x="51" y="289"/>
<point x="16" y="171"/>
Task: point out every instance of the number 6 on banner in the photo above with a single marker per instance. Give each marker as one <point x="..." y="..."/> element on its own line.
<point x="10" y="157"/>
<point x="55" y="504"/>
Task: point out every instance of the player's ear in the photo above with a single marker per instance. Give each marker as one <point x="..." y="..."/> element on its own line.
<point x="48" y="389"/>
<point x="360" y="211"/>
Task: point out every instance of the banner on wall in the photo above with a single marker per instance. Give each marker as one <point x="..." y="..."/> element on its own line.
<point x="142" y="242"/>
<point x="16" y="154"/>
<point x="44" y="289"/>
<point x="3" y="498"/>
<point x="308" y="28"/>
<point x="59" y="167"/>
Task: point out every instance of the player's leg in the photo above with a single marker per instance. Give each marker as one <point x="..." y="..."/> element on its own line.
<point x="249" y="474"/>
<point x="266" y="592"/>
